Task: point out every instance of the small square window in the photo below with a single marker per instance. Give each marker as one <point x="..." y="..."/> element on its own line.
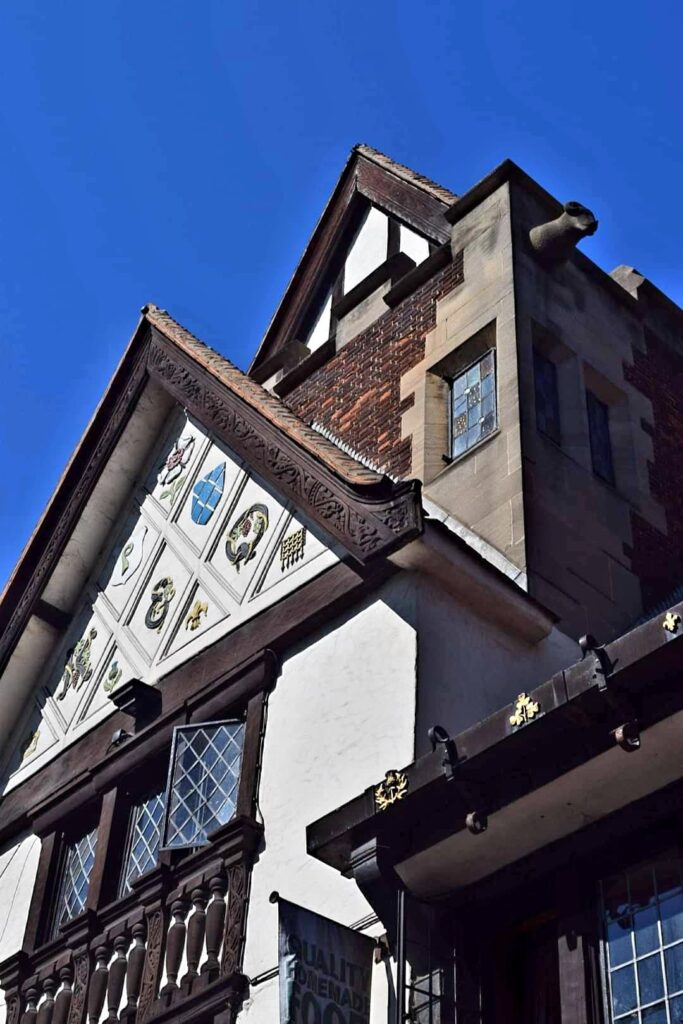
<point x="79" y="857"/>
<point x="203" y="781"/>
<point x="599" y="435"/>
<point x="547" y="397"/>
<point x="144" y="839"/>
<point x="473" y="405"/>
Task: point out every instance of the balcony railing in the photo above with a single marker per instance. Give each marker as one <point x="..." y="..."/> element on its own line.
<point x="172" y="947"/>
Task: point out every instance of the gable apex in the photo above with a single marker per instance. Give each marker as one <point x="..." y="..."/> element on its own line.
<point x="355" y="507"/>
<point x="412" y="202"/>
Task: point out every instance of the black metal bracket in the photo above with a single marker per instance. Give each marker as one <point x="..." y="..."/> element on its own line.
<point x="476" y="820"/>
<point x="439" y="737"/>
<point x="604" y="666"/>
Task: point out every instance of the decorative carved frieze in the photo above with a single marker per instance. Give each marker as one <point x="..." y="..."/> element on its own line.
<point x="364" y="525"/>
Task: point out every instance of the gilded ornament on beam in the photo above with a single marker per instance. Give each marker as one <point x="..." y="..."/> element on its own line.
<point x="525" y="710"/>
<point x="392" y="789"/>
<point x="671" y="622"/>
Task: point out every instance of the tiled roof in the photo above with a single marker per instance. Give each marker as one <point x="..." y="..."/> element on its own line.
<point x="419" y="180"/>
<point x="269" y="405"/>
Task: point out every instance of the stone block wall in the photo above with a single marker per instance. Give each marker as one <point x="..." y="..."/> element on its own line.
<point x="657" y="557"/>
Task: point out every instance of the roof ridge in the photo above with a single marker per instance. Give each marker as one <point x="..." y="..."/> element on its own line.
<point x="445" y="195"/>
<point x="343" y="463"/>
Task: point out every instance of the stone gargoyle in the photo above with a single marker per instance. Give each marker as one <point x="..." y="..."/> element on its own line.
<point x="554" y="241"/>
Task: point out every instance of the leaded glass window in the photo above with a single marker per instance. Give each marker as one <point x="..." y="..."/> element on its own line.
<point x="547" y="397"/>
<point x="473" y="405"/>
<point x="79" y="857"/>
<point x="203" y="781"/>
<point x="144" y="839"/>
<point x="600" y="441"/>
<point x="642" y="911"/>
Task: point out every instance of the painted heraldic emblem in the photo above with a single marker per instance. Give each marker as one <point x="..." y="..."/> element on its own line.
<point x="78" y="668"/>
<point x="130" y="559"/>
<point x="206" y="494"/>
<point x="244" y="536"/>
<point x="162" y="594"/>
<point x="171" y="475"/>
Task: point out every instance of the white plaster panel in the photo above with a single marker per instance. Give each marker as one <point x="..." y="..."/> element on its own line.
<point x="413" y="245"/>
<point x="116" y="669"/>
<point x="369" y="248"/>
<point x="194" y="517"/>
<point x="171" y="471"/>
<point x="171" y="573"/>
<point x="341" y="715"/>
<point x="128" y="561"/>
<point x="321" y="328"/>
<point x="77" y="665"/>
<point x="258" y="533"/>
<point x="297" y="547"/>
<point x="199" y="615"/>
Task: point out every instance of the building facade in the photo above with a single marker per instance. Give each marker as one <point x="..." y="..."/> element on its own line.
<point x="328" y="629"/>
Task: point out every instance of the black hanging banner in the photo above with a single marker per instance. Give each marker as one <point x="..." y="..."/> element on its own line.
<point x="325" y="969"/>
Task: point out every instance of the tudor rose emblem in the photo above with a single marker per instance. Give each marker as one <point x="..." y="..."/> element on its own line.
<point x="393" y="788"/>
<point x="171" y="474"/>
<point x="206" y="494"/>
<point x="245" y="535"/>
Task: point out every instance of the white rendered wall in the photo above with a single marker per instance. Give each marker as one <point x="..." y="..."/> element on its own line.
<point x="413" y="245"/>
<point x="368" y="250"/>
<point x="18" y="868"/>
<point x="321" y="330"/>
<point x="341" y="715"/>
<point x="469" y="668"/>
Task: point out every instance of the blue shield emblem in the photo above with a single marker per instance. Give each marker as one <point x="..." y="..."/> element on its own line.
<point x="206" y="494"/>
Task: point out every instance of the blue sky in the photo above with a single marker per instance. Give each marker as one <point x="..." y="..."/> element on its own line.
<point x="180" y="153"/>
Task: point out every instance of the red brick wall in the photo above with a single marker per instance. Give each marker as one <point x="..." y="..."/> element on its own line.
<point x="356" y="395"/>
<point x="657" y="558"/>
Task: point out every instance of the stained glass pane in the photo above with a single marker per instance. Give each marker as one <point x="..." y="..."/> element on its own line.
<point x="473" y="405"/>
<point x="599" y="435"/>
<point x="204" y="781"/>
<point x="547" y="397"/>
<point x="144" y="839"/>
<point x="73" y="889"/>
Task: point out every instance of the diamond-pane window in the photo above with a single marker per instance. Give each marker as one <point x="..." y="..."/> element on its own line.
<point x="203" y="781"/>
<point x="143" y="840"/>
<point x="473" y="405"/>
<point x="79" y="857"/>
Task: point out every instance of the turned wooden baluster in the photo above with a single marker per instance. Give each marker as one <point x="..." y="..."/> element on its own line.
<point x="117" y="976"/>
<point x="47" y="1006"/>
<point x="31" y="1012"/>
<point x="63" y="1000"/>
<point x="98" y="985"/>
<point x="196" y="928"/>
<point x="136" y="963"/>
<point x="215" y="921"/>
<point x="175" y="944"/>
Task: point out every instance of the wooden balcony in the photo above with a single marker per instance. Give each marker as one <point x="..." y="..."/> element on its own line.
<point x="172" y="947"/>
